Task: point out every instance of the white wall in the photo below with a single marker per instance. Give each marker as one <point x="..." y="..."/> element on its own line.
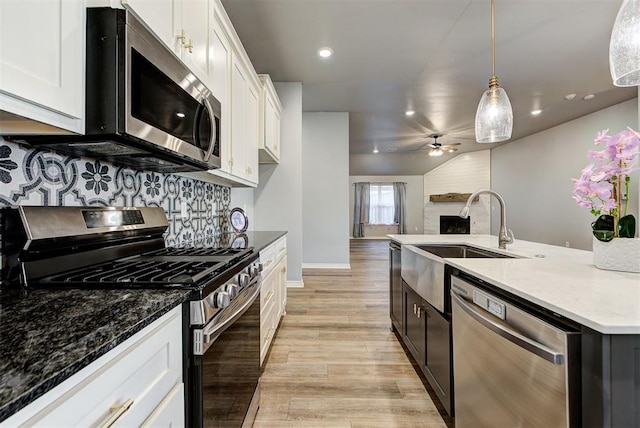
<point x="534" y="173"/>
<point x="325" y="166"/>
<point x="466" y="173"/>
<point x="278" y="198"/>
<point x="243" y="197"/>
<point x="414" y="203"/>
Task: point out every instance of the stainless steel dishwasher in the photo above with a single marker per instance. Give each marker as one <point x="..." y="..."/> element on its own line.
<point x="511" y="367"/>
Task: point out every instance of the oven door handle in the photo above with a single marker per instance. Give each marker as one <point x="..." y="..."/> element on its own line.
<point x="211" y="332"/>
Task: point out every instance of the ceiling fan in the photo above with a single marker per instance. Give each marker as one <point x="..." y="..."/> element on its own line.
<point x="437" y="149"/>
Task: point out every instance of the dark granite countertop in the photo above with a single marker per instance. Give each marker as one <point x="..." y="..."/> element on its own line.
<point x="48" y="335"/>
<point x="262" y="239"/>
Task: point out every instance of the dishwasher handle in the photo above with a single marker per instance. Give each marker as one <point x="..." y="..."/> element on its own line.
<point x="509" y="334"/>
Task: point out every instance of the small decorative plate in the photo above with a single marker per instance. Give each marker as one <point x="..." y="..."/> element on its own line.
<point x="238" y="219"/>
<point x="240" y="241"/>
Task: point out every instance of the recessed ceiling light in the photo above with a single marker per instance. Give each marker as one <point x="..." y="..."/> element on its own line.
<point x="410" y="112"/>
<point x="375" y="150"/>
<point x="325" y="52"/>
<point x="569" y="97"/>
<point x="180" y="115"/>
<point x="536" y="112"/>
<point x="589" y="97"/>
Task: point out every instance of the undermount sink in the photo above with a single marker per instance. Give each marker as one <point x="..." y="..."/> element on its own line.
<point x="461" y="252"/>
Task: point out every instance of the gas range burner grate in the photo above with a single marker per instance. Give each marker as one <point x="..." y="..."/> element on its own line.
<point x="138" y="273"/>
<point x="195" y="251"/>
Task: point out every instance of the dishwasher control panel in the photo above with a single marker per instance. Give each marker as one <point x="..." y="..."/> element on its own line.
<point x="489" y="304"/>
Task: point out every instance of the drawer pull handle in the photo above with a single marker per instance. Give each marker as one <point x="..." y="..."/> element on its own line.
<point x="282" y="249"/>
<point x="268" y="263"/>
<point x="116" y="413"/>
<point x="266" y="299"/>
<point x="284" y="269"/>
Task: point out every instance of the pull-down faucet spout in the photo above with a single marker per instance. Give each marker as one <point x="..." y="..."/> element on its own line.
<point x="504" y="237"/>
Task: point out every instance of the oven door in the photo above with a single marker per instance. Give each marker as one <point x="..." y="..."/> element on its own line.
<point x="225" y="378"/>
<point x="166" y="104"/>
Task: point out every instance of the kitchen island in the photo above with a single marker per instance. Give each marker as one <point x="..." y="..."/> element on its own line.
<point x="604" y="304"/>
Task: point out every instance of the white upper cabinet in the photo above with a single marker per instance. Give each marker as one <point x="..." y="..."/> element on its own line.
<point x="245" y="110"/>
<point x="193" y="35"/>
<point x="160" y="16"/>
<point x="182" y="25"/>
<point x="220" y="66"/>
<point x="270" y="111"/>
<point x="234" y="82"/>
<point x="42" y="46"/>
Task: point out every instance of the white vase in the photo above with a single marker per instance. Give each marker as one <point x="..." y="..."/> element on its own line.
<point x="621" y="254"/>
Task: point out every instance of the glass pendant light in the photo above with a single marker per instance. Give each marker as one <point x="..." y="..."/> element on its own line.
<point x="624" y="47"/>
<point x="494" y="118"/>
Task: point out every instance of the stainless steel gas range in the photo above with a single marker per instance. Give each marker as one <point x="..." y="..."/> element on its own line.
<point x="108" y="247"/>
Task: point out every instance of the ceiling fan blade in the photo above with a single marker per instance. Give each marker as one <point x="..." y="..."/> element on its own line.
<point x="451" y="144"/>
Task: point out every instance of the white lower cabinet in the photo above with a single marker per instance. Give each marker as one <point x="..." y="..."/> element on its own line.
<point x="137" y="383"/>
<point x="273" y="294"/>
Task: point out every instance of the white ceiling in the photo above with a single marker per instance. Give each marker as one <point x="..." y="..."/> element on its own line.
<point x="432" y="56"/>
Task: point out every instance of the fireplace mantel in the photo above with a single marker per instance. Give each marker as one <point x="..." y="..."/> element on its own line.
<point x="451" y="197"/>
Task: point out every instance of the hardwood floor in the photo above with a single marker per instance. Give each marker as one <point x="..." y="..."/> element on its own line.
<point x="335" y="363"/>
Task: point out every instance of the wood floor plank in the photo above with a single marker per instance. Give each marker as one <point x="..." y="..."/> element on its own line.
<point x="335" y="363"/>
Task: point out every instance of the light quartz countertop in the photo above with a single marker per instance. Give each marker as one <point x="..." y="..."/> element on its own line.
<point x="560" y="279"/>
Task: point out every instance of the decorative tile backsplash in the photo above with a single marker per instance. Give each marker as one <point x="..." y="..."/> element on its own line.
<point x="30" y="176"/>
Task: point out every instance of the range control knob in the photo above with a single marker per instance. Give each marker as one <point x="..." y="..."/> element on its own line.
<point x="232" y="291"/>
<point x="255" y="269"/>
<point x="222" y="299"/>
<point x="243" y="279"/>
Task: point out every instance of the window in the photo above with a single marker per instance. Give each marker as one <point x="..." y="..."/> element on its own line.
<point x="381" y="204"/>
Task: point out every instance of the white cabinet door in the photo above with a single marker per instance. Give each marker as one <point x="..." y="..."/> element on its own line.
<point x="220" y="80"/>
<point x="42" y="45"/>
<point x="252" y="111"/>
<point x="161" y="16"/>
<point x="170" y="412"/>
<point x="281" y="287"/>
<point x="238" y="124"/>
<point x="195" y="23"/>
<point x="269" y="135"/>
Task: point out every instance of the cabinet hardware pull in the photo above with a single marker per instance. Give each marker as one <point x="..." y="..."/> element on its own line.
<point x="415" y="309"/>
<point x="266" y="299"/>
<point x="190" y="46"/>
<point x="268" y="263"/>
<point x="182" y="37"/>
<point x="281" y="250"/>
<point x="419" y="312"/>
<point x="284" y="269"/>
<point x="118" y="411"/>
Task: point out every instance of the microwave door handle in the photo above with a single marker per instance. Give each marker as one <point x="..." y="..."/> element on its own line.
<point x="212" y="118"/>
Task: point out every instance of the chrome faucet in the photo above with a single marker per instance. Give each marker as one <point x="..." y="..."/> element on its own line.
<point x="505" y="236"/>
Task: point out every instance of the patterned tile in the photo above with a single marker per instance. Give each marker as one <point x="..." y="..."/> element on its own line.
<point x="31" y="176"/>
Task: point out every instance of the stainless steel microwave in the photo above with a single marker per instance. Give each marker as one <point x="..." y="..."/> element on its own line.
<point x="144" y="108"/>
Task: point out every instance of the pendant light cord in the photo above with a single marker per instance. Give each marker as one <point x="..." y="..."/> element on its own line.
<point x="493" y="39"/>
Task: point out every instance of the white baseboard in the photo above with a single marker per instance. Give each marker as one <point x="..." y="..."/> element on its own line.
<point x="326" y="266"/>
<point x="295" y="284"/>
